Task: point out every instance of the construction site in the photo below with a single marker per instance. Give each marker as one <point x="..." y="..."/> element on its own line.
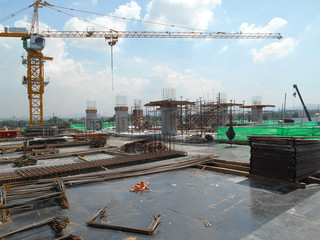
<point x="170" y="168"/>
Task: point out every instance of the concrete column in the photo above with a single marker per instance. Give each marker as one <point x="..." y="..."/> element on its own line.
<point x="256" y="113"/>
<point x="90" y="118"/>
<point x="122" y="117"/>
<point x="169" y="120"/>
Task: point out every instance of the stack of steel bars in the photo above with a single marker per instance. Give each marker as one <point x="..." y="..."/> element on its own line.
<point x="21" y="196"/>
<point x="107" y="175"/>
<point x="84" y="167"/>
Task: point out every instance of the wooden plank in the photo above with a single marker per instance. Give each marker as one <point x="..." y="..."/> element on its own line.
<point x="83" y="158"/>
<point x="247" y="174"/>
<point x="311" y="180"/>
<point x="231" y="162"/>
<point x="223" y="170"/>
<point x="119" y="153"/>
<point x="230" y="166"/>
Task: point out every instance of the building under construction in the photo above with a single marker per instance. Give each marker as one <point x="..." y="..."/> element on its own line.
<point x="165" y="169"/>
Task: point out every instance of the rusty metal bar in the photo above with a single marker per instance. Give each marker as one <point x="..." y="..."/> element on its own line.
<point x="101" y="214"/>
<point x="57" y="223"/>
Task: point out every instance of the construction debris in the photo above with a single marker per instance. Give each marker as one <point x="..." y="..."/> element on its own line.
<point x="197" y="138"/>
<point x="24" y="160"/>
<point x="207" y="223"/>
<point x="58" y="224"/>
<point x="97" y="220"/>
<point x="97" y="143"/>
<point x="14" y="148"/>
<point x="141" y="186"/>
<point x="45" y="151"/>
<point x="23" y="196"/>
<point x="143" y="146"/>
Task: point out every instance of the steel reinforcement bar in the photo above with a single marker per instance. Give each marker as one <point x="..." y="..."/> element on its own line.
<point x="85" y="167"/>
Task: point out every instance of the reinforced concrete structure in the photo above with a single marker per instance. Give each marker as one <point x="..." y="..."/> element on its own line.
<point x="122" y="116"/>
<point x="122" y="119"/>
<point x="169" y="115"/>
<point x="91" y="115"/>
<point x="256" y="112"/>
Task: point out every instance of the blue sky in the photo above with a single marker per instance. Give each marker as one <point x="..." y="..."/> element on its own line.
<point x="196" y="68"/>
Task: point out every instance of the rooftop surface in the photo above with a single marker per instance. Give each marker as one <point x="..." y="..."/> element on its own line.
<point x="236" y="207"/>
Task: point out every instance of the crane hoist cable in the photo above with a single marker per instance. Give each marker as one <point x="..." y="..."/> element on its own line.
<point x="112" y="66"/>
<point x="110" y="42"/>
<point x="13" y="14"/>
<point x="128" y="19"/>
<point x="81" y="19"/>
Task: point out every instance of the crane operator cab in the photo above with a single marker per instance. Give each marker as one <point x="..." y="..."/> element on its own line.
<point x="33" y="43"/>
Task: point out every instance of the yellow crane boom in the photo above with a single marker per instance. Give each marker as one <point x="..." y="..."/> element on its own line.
<point x="146" y="34"/>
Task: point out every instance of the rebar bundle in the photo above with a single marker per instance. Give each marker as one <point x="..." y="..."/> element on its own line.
<point x="22" y="196"/>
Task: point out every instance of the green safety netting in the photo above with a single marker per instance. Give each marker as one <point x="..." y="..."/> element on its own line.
<point x="109" y="124"/>
<point x="242" y="133"/>
<point x="79" y="126"/>
<point x="295" y="125"/>
<point x="84" y="126"/>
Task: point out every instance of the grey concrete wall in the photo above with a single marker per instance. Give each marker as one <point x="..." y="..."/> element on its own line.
<point x="169" y="121"/>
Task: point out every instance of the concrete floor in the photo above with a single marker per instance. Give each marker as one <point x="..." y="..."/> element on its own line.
<point x="236" y="207"/>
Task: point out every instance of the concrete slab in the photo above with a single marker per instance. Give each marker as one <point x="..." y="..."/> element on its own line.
<point x="236" y="207"/>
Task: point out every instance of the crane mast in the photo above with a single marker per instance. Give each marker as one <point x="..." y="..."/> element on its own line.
<point x="34" y="43"/>
<point x="34" y="81"/>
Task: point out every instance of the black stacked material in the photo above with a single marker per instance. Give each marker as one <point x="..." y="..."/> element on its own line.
<point x="290" y="159"/>
<point x="41" y="130"/>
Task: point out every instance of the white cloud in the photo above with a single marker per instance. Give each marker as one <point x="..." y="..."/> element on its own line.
<point x="129" y="10"/>
<point x="308" y="28"/>
<point x="273" y="25"/>
<point x="274" y="50"/>
<point x="186" y="84"/>
<point x="70" y="85"/>
<point x="138" y="60"/>
<point x="102" y="23"/>
<point x="225" y="48"/>
<point x="196" y="14"/>
<point x="6" y="45"/>
<point x="26" y="23"/>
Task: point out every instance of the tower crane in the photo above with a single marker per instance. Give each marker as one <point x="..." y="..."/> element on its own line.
<point x="34" y="43"/>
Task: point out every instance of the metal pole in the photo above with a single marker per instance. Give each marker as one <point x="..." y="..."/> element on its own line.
<point x="304" y="106"/>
